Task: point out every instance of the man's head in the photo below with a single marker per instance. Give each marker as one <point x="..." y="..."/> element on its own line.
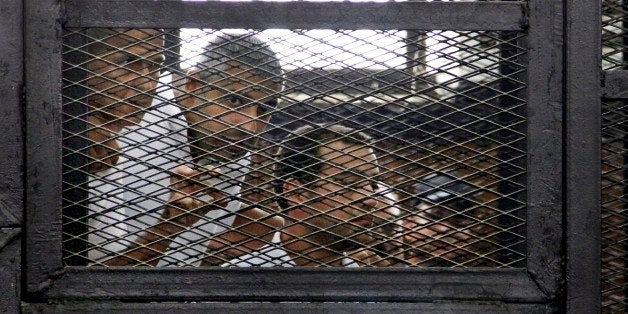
<point x="229" y="94"/>
<point x="326" y="180"/>
<point x="123" y="71"/>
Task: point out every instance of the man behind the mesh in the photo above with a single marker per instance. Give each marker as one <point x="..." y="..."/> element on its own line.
<point x="335" y="210"/>
<point x="136" y="133"/>
<point x="226" y="101"/>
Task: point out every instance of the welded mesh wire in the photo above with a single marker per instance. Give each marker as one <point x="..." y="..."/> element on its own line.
<point x="294" y="147"/>
<point x="614" y="57"/>
<point x="613" y="206"/>
<point x="614" y="40"/>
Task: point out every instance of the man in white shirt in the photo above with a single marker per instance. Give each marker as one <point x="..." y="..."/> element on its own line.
<point x="127" y="110"/>
<point x="123" y="196"/>
<point x="332" y="203"/>
<point x="225" y="102"/>
<point x="143" y="186"/>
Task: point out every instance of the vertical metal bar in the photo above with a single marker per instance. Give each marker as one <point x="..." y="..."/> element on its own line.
<point x="172" y="48"/>
<point x="544" y="46"/>
<point x="42" y="47"/>
<point x="507" y="53"/>
<point x="11" y="75"/>
<point x="416" y="58"/>
<point x="582" y="154"/>
<point x="74" y="154"/>
<point x="624" y="10"/>
<point x="11" y="154"/>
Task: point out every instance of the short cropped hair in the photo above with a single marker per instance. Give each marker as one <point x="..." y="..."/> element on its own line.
<point x="245" y="49"/>
<point x="97" y="36"/>
<point x="299" y="154"/>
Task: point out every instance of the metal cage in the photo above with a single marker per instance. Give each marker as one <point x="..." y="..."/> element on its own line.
<point x="613" y="151"/>
<point x="486" y="150"/>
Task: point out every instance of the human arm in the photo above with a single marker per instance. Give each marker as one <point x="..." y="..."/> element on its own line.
<point x="252" y="229"/>
<point x="183" y="210"/>
<point x="256" y="222"/>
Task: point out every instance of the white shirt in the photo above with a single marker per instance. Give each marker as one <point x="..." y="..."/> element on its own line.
<point x="270" y="255"/>
<point x="188" y="248"/>
<point x="273" y="255"/>
<point x="126" y="198"/>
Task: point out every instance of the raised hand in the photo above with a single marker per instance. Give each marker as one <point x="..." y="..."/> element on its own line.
<point x="192" y="195"/>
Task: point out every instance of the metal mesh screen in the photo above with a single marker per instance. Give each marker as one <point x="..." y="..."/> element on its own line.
<point x="294" y="148"/>
<point x="614" y="45"/>
<point x="614" y="42"/>
<point x="613" y="206"/>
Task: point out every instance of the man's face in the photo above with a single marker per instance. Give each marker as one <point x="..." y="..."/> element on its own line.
<point x="229" y="112"/>
<point x="433" y="236"/>
<point x="342" y="202"/>
<point x="123" y="77"/>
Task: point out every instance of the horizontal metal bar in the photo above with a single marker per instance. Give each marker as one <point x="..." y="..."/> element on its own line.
<point x="615" y="84"/>
<point x="296" y="284"/>
<point x="310" y="307"/>
<point x="291" y="15"/>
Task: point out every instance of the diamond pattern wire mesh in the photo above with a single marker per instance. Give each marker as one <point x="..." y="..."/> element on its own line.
<point x="613" y="206"/>
<point x="208" y="159"/>
<point x="614" y="42"/>
<point x="614" y="47"/>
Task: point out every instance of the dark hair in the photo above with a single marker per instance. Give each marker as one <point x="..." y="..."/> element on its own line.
<point x="246" y="49"/>
<point x="299" y="154"/>
<point x="97" y="37"/>
<point x="443" y="188"/>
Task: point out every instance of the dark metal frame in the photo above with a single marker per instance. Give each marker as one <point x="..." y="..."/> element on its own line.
<point x="392" y="308"/>
<point x="582" y="116"/>
<point x="540" y="281"/>
<point x="11" y="154"/>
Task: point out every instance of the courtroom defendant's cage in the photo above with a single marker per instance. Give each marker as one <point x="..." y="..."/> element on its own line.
<point x="451" y="154"/>
<point x="456" y="100"/>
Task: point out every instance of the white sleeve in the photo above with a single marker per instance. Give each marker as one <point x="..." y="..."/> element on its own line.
<point x="107" y="230"/>
<point x="189" y="247"/>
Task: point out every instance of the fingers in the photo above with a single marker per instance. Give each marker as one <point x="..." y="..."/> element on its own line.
<point x="365" y="257"/>
<point x="257" y="214"/>
<point x="195" y="176"/>
<point x="188" y="184"/>
<point x="257" y="223"/>
<point x="183" y="187"/>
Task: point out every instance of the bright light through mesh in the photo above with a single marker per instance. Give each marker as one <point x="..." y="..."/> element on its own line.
<point x="382" y="148"/>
